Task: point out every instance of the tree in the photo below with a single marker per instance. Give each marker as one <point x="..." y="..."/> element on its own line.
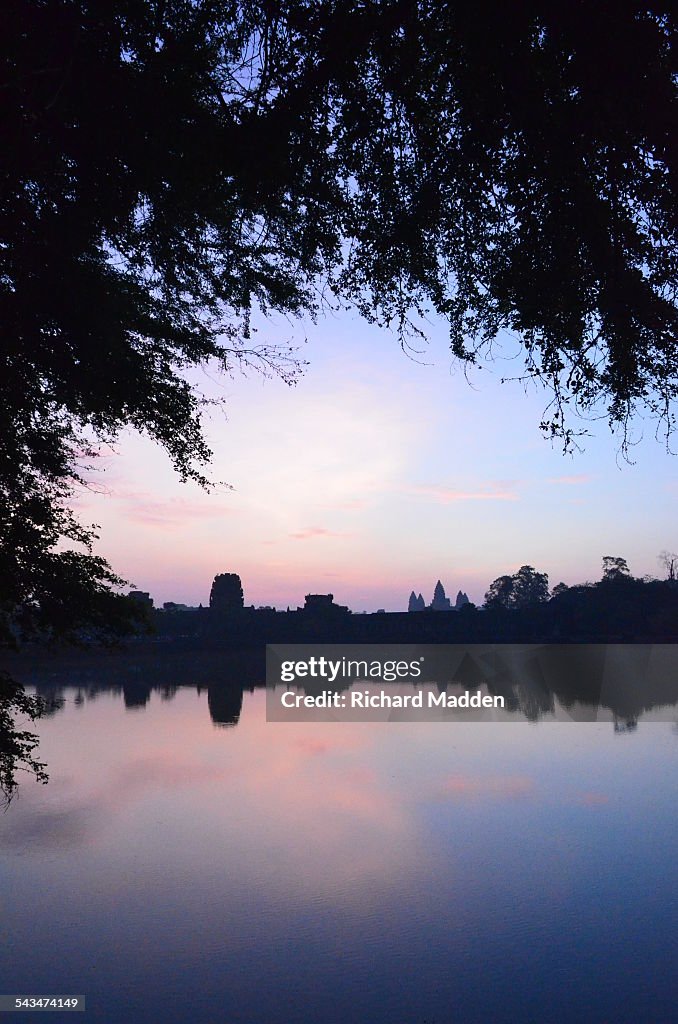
<point x="17" y="745"/>
<point x="500" y="594"/>
<point x="669" y="561"/>
<point x="530" y="587"/>
<point x="226" y="594"/>
<point x="614" y="569"/>
<point x="524" y="589"/>
<point x="172" y="168"/>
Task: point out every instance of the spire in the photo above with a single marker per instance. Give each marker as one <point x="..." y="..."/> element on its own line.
<point x="440" y="603"/>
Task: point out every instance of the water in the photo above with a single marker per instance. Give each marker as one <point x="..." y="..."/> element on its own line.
<point x="175" y="870"/>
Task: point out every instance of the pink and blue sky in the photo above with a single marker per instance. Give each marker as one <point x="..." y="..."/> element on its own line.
<point x="378" y="474"/>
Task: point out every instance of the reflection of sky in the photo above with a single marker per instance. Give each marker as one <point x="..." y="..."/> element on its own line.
<point x="376" y="475"/>
<point x="342" y="871"/>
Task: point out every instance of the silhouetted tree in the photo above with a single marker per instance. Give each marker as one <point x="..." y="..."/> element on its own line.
<point x="525" y="589"/>
<point x="614" y="569"/>
<point x="17" y="745"/>
<point x="226" y="594"/>
<point x="669" y="561"/>
<point x="168" y="169"/>
<point x="560" y="588"/>
<point x="500" y="594"/>
<point x="47" y="593"/>
<point x="529" y="587"/>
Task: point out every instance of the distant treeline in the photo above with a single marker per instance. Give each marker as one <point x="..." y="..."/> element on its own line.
<point x="518" y="608"/>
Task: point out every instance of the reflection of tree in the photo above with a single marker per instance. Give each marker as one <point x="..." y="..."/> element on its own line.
<point x="535" y="680"/>
<point x="17" y="746"/>
<point x="225" y="704"/>
<point x="625" y="725"/>
<point x="136" y="693"/>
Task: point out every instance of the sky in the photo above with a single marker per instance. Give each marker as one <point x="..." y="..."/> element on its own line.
<point x="379" y="473"/>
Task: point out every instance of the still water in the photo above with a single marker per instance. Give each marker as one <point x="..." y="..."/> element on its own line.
<point x="177" y="870"/>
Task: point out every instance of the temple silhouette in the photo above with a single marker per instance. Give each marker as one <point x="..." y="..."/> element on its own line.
<point x="615" y="610"/>
<point x="439" y="603"/>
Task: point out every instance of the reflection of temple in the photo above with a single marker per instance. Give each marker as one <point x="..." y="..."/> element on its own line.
<point x="578" y="680"/>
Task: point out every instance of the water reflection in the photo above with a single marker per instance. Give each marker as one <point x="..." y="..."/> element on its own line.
<point x="273" y="873"/>
<point x="330" y="872"/>
<point x="225" y="704"/>
<point x="620" y="683"/>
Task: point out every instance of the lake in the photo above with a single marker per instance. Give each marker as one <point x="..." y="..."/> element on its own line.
<point x="182" y="869"/>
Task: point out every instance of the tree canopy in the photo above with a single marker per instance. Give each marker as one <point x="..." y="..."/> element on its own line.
<point x="171" y="168"/>
<point x="615" y="569"/>
<point x="17" y="745"/>
<point x="226" y="593"/>
<point x="525" y="589"/>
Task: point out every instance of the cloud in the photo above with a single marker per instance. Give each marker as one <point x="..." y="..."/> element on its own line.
<point x="497" y="787"/>
<point x="171" y="513"/>
<point x="164" y="771"/>
<point x="47" y="828"/>
<point x="493" y="491"/>
<point x="310" y="532"/>
<point x="355" y="505"/>
<point x="575" y="478"/>
<point x="591" y="799"/>
<point x="311" y="746"/>
<point x="78" y="821"/>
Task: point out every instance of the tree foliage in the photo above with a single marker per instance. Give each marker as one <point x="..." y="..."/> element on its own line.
<point x="172" y="167"/>
<point x="615" y="569"/>
<point x="17" y="745"/>
<point x="525" y="589"/>
<point x="47" y="592"/>
<point x="227" y="593"/>
<point x="500" y="593"/>
<point x="669" y="562"/>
